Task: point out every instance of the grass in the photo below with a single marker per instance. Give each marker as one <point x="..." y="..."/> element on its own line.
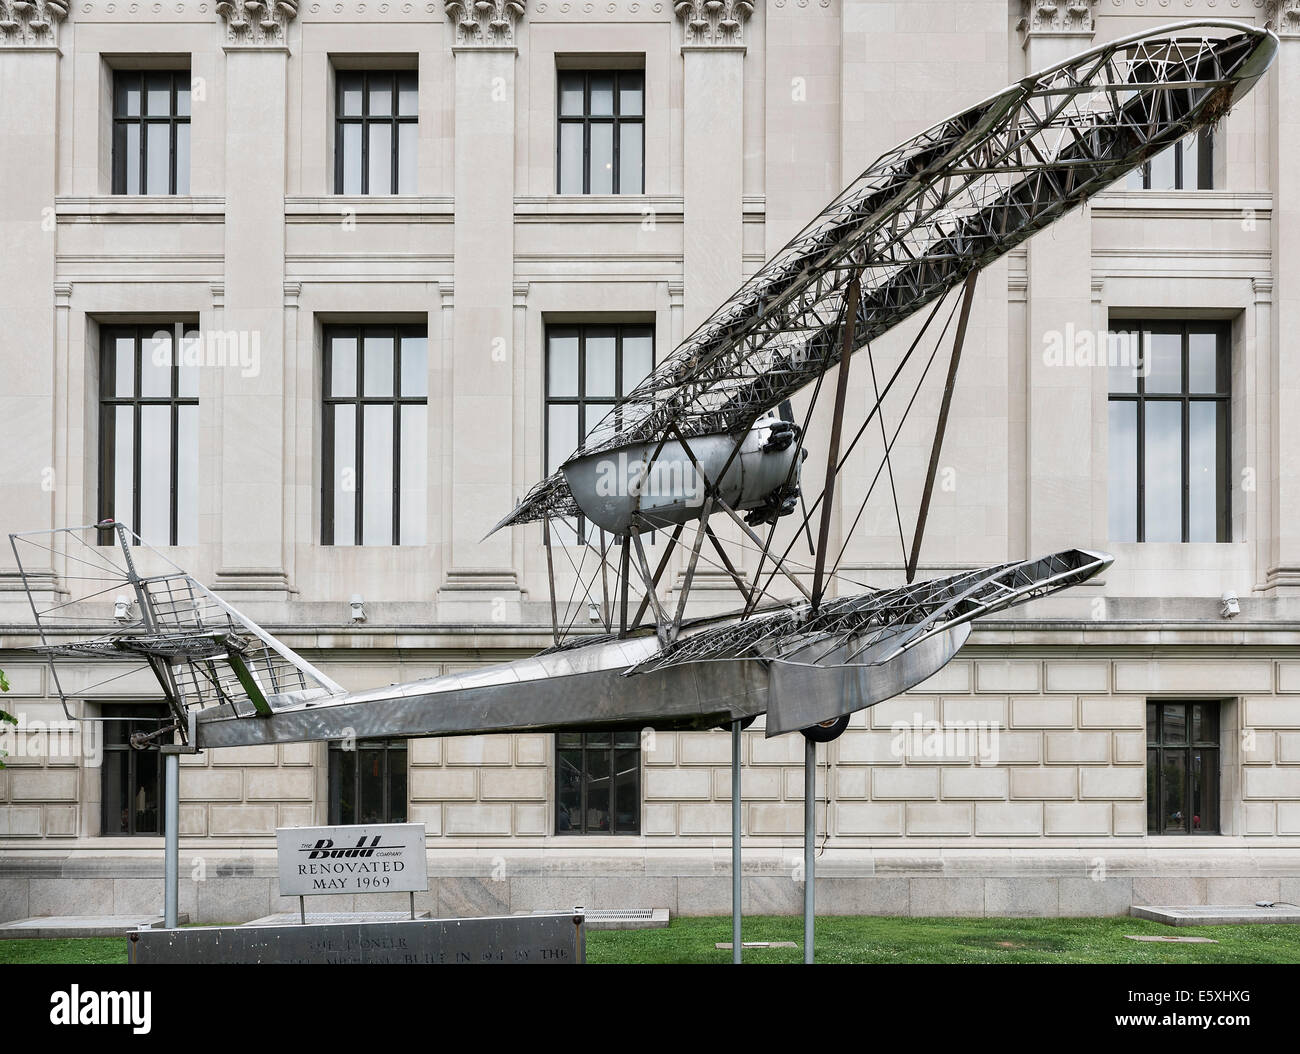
<point x="858" y="940"/>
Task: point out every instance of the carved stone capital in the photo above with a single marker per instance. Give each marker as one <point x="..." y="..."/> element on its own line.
<point x="1283" y="17"/>
<point x="485" y="23"/>
<point x="251" y="22"/>
<point x="31" y="23"/>
<point x="714" y="22"/>
<point x="1058" y="16"/>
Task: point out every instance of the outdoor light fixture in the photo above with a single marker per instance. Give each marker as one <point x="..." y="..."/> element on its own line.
<point x="122" y="609"/>
<point x="357" y="609"/>
<point x="593" y="612"/>
<point x="1231" y="606"/>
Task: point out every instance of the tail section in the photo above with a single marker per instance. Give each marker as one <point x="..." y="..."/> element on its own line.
<point x="107" y="610"/>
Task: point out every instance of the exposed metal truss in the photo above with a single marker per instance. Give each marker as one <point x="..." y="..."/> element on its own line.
<point x="925" y="215"/>
<point x="851" y="627"/>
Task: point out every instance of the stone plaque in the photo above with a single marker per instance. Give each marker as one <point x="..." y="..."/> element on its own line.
<point x="359" y="858"/>
<point x="541" y="939"/>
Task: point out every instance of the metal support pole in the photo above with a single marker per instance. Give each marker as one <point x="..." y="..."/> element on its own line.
<point x="809" y="841"/>
<point x="735" y="842"/>
<point x="172" y="839"/>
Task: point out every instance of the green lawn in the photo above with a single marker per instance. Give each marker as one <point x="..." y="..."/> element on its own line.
<point x="860" y="940"/>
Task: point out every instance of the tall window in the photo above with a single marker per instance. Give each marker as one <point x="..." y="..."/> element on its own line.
<point x="132" y="779"/>
<point x="598" y="782"/>
<point x="1187" y="165"/>
<point x="375" y="457"/>
<point x="1183" y="768"/>
<point x="1169" y="457"/>
<point x="588" y="369"/>
<point x="149" y="432"/>
<point x="367" y="784"/>
<point x="601" y="133"/>
<point x="151" y="131"/>
<point x="376" y="115"/>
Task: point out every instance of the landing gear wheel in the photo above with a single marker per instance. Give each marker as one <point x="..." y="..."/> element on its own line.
<point x="745" y="722"/>
<point x="827" y="730"/>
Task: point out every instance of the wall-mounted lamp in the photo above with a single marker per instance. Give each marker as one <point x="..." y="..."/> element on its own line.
<point x="122" y="609"/>
<point x="357" y="608"/>
<point x="1231" y="606"/>
<point x="593" y="613"/>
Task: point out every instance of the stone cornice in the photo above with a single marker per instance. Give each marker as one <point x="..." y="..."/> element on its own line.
<point x="714" y="22"/>
<point x="31" y="23"/>
<point x="1058" y="16"/>
<point x="485" y="23"/>
<point x="257" y="22"/>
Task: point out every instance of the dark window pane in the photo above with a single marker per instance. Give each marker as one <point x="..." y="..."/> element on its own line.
<point x="568" y="790"/>
<point x="1205" y="722"/>
<point x="1174" y="723"/>
<point x="1173" y="777"/>
<point x="1163" y="472"/>
<point x="396" y="786"/>
<point x="627" y="794"/>
<point x="1123" y="480"/>
<point x="371" y="796"/>
<point x="1153" y="730"/>
<point x="1205" y="790"/>
<point x="568" y="739"/>
<point x="145" y="803"/>
<point x="1153" y="791"/>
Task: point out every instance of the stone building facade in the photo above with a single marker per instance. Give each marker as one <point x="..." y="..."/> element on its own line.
<point x="1022" y="779"/>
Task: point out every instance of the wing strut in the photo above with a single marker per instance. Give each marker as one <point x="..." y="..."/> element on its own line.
<point x="837" y="422"/>
<point x="968" y="294"/>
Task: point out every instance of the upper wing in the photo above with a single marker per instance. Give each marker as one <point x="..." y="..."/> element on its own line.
<point x="922" y="217"/>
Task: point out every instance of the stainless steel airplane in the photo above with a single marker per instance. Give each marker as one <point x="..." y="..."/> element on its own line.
<point x="919" y="224"/>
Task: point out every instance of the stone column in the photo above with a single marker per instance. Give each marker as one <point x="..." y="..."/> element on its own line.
<point x="29" y="472"/>
<point x="1281" y="534"/>
<point x="713" y="152"/>
<point x="251" y="556"/>
<point x="480" y="578"/>
<point x="1059" y="408"/>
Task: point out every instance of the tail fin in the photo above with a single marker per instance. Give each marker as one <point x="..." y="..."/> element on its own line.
<point x="201" y="651"/>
